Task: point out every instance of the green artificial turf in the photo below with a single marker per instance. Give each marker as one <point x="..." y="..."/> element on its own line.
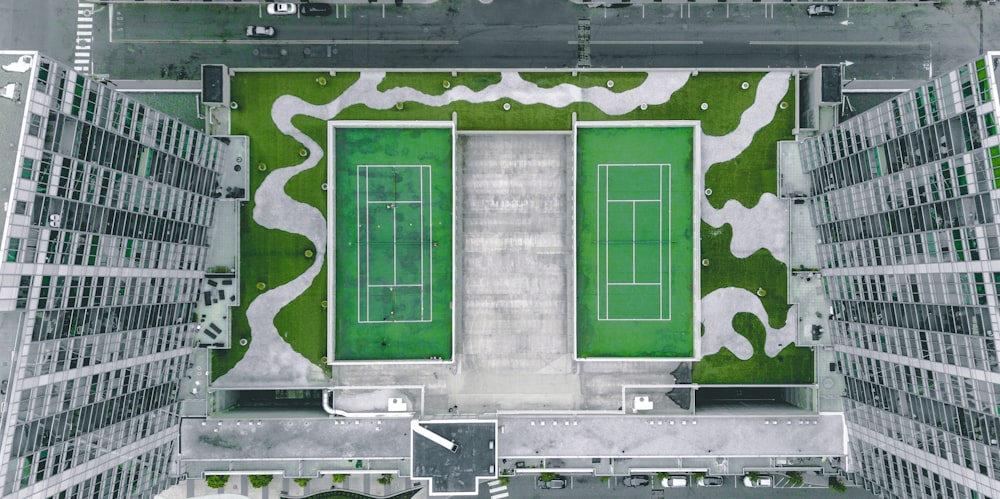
<point x="622" y="81"/>
<point x="755" y="171"/>
<point x="793" y="365"/>
<point x="433" y="83"/>
<point x="608" y="240"/>
<point x="383" y="247"/>
<point x="757" y="271"/>
<point x="270" y="256"/>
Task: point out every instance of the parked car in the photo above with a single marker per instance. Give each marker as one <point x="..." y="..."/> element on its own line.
<point x="559" y="482"/>
<point x="636" y="480"/>
<point x="675" y="481"/>
<point x="711" y="481"/>
<point x="281" y="8"/>
<point x="315" y="9"/>
<point x="821" y="10"/>
<point x="763" y="481"/>
<point x="260" y="31"/>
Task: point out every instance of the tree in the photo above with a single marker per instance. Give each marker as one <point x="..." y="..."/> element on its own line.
<point x="303" y="482"/>
<point x="663" y="475"/>
<point x="837" y="485"/>
<point x="339" y="478"/>
<point x="794" y="478"/>
<point x="260" y="481"/>
<point x="216" y="481"/>
<point x="605" y="479"/>
<point x="698" y="475"/>
<point x="504" y="480"/>
<point x="547" y="477"/>
<point x="385" y="479"/>
<point x="754" y="476"/>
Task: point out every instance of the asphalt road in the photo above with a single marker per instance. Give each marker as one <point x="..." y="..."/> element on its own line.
<point x="150" y="40"/>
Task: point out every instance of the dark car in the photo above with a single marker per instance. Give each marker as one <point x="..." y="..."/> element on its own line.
<point x="636" y="481"/>
<point x="315" y="9"/>
<point x="711" y="481"/>
<point x="559" y="482"/>
<point x="260" y="31"/>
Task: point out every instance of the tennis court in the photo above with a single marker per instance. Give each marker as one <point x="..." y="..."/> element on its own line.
<point x="393" y="275"/>
<point x="395" y="237"/>
<point x="636" y="242"/>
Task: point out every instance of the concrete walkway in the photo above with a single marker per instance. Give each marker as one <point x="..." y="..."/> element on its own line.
<point x="270" y="360"/>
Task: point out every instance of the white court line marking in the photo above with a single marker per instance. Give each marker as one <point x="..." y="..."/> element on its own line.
<point x="421" y="241"/>
<point x="633" y="243"/>
<point x="394" y="285"/>
<point x="670" y="247"/>
<point x="378" y="201"/>
<point x="659" y="254"/>
<point x="430" y="214"/>
<point x="357" y="195"/>
<point x="368" y="253"/>
<point x="635" y="200"/>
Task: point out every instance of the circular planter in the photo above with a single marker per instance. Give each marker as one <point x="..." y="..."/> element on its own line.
<point x="704" y="106"/>
<point x="239" y="159"/>
<point x="243" y="342"/>
<point x="611" y="83"/>
<point x="745" y="85"/>
<point x="237" y="168"/>
<point x="309" y="253"/>
<point x="399" y="106"/>
<point x="324" y="186"/>
<point x="303" y="152"/>
<point x="323" y="359"/>
<point x="446" y="84"/>
<point x="708" y="192"/>
<point x="323" y="304"/>
<point x="261" y="286"/>
<point x="761" y="293"/>
<point x="321" y="81"/>
<point x="704" y="263"/>
<point x="233" y="105"/>
<point x="261" y="167"/>
<point x="506" y="106"/>
<point x="643" y="106"/>
<point x="783" y="105"/>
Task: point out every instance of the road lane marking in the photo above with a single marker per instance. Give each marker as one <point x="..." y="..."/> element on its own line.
<point x="298" y="42"/>
<point x="84" y="36"/>
<point x="901" y="44"/>
<point x="642" y="42"/>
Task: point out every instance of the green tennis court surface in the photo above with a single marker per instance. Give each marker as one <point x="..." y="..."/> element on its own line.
<point x="635" y="242"/>
<point x="393" y="234"/>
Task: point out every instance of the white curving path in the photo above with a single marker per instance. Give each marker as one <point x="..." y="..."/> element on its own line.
<point x="270" y="360"/>
<point x="718" y="309"/>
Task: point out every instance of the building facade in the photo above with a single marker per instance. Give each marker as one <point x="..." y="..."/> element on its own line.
<point x="107" y="206"/>
<point x="906" y="197"/>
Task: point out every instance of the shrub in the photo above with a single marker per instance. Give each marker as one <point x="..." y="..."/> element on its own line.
<point x="663" y="475"/>
<point x="794" y="478"/>
<point x="837" y="485"/>
<point x="605" y="479"/>
<point x="339" y="478"/>
<point x="216" y="481"/>
<point x="753" y="476"/>
<point x="260" y="481"/>
<point x="547" y="477"/>
<point x="504" y="480"/>
<point x="698" y="475"/>
<point x="302" y="481"/>
<point x="385" y="479"/>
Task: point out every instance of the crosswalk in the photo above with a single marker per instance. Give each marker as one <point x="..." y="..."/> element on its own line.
<point x="84" y="36"/>
<point x="497" y="491"/>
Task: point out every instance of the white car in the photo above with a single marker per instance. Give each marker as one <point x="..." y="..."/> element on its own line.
<point x="821" y="10"/>
<point x="281" y="9"/>
<point x="675" y="481"/>
<point x="763" y="481"/>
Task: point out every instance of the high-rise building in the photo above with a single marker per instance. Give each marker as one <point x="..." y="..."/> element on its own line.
<point x="107" y="204"/>
<point x="906" y="198"/>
